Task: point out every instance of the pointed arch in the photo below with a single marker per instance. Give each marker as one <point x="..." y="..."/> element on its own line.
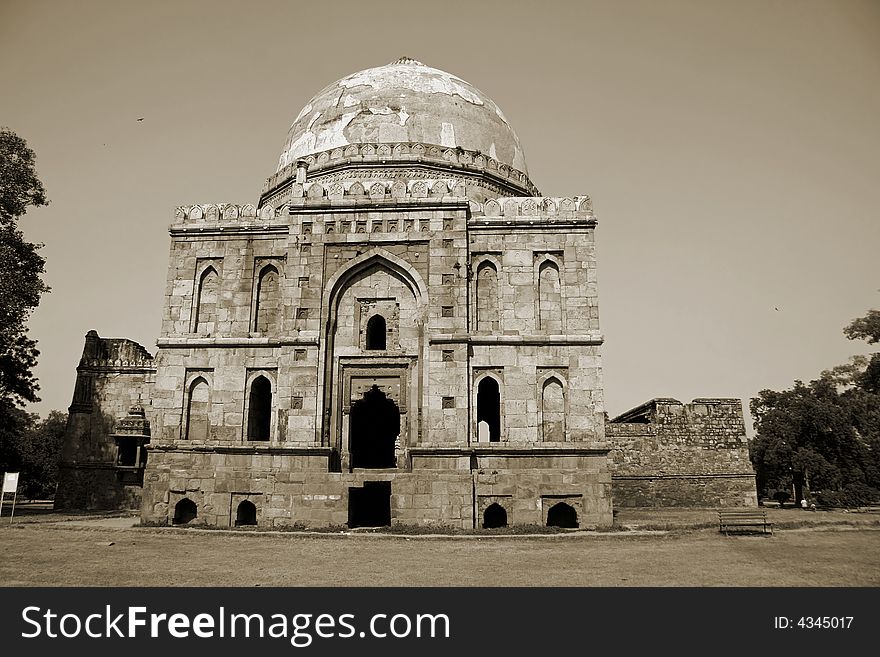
<point x="549" y="297"/>
<point x="207" y="297"/>
<point x="553" y="410"/>
<point x="494" y="516"/>
<point x="185" y="511"/>
<point x="487" y="296"/>
<point x="377" y="333"/>
<point x="562" y="515"/>
<point x="245" y="514"/>
<point x="489" y="407"/>
<point x="376" y="259"/>
<point x="405" y="271"/>
<point x="267" y="306"/>
<point x="197" y="408"/>
<point x="259" y="416"/>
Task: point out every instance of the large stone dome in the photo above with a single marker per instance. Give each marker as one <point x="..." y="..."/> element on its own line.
<point x="404" y="101"/>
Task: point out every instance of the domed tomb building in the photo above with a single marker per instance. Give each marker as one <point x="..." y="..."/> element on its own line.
<point x="401" y="331"/>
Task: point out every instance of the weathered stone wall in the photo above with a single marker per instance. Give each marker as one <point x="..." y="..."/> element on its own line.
<point x="407" y="250"/>
<point x="113" y="375"/>
<point x="293" y="488"/>
<point x="665" y="453"/>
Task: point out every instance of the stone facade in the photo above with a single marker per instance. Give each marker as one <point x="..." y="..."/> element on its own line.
<point x="666" y="453"/>
<point x="401" y="331"/>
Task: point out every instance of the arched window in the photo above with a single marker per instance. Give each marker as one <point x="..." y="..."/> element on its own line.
<point x="562" y="515"/>
<point x="489" y="407"/>
<point x="246" y="514"/>
<point x="197" y="421"/>
<point x="549" y="298"/>
<point x="185" y="511"/>
<point x="268" y="302"/>
<point x="260" y="409"/>
<point x="206" y="302"/>
<point x="553" y="410"/>
<point x="494" y="516"/>
<point x="487" y="297"/>
<point x="376" y="333"/>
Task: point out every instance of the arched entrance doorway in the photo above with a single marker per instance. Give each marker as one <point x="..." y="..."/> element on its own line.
<point x="374" y="428"/>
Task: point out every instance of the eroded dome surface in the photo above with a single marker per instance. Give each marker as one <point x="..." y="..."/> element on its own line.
<point x="404" y="101"/>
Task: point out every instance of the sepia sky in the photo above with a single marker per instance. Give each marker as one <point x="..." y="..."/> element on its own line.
<point x="732" y="151"/>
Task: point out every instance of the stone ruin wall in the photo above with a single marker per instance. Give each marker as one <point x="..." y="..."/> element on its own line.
<point x="112" y="376"/>
<point x="665" y="453"/>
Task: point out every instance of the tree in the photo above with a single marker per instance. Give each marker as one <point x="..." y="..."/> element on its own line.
<point x="824" y="435"/>
<point x="39" y="449"/>
<point x="21" y="269"/>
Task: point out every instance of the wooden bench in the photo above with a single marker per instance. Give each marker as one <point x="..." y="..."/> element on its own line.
<point x="744" y="520"/>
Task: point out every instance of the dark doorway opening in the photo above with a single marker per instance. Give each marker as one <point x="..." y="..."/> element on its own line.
<point x="260" y="409"/>
<point x="370" y="506"/>
<point x="376" y="332"/>
<point x="246" y="514"/>
<point x="185" y="511"/>
<point x="562" y="515"/>
<point x="494" y="516"/>
<point x="489" y="407"/>
<point x="374" y="428"/>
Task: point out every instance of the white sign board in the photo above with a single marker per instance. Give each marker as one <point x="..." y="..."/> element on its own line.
<point x="10" y="482"/>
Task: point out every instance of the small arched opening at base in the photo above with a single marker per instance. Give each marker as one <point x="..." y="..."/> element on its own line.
<point x="562" y="515"/>
<point x="185" y="511"/>
<point x="494" y="516"/>
<point x="246" y="514"/>
<point x="377" y="331"/>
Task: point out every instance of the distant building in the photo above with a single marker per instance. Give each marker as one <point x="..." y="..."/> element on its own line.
<point x="401" y="330"/>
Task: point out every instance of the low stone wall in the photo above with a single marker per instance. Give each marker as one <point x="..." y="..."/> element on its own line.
<point x="665" y="453"/>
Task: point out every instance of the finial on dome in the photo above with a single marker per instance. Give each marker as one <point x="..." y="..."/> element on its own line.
<point x="408" y="60"/>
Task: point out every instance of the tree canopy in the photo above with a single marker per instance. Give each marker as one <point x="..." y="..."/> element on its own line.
<point x="823" y="437"/>
<point x="32" y="447"/>
<point x="26" y="443"/>
<point x="20" y="187"/>
<point x="21" y="270"/>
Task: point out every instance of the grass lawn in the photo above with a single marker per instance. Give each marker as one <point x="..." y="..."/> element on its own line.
<point x="35" y="554"/>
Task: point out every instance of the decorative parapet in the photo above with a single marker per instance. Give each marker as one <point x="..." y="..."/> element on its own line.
<point x="378" y="190"/>
<point x="215" y="213"/>
<point x="561" y="207"/>
<point x="389" y="192"/>
<point x="114" y="353"/>
<point x="407" y="152"/>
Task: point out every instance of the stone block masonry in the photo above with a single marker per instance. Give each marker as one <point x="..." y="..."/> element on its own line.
<point x="665" y="453"/>
<point x="401" y="330"/>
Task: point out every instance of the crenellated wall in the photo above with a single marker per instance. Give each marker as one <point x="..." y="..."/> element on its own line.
<point x="665" y="453"/>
